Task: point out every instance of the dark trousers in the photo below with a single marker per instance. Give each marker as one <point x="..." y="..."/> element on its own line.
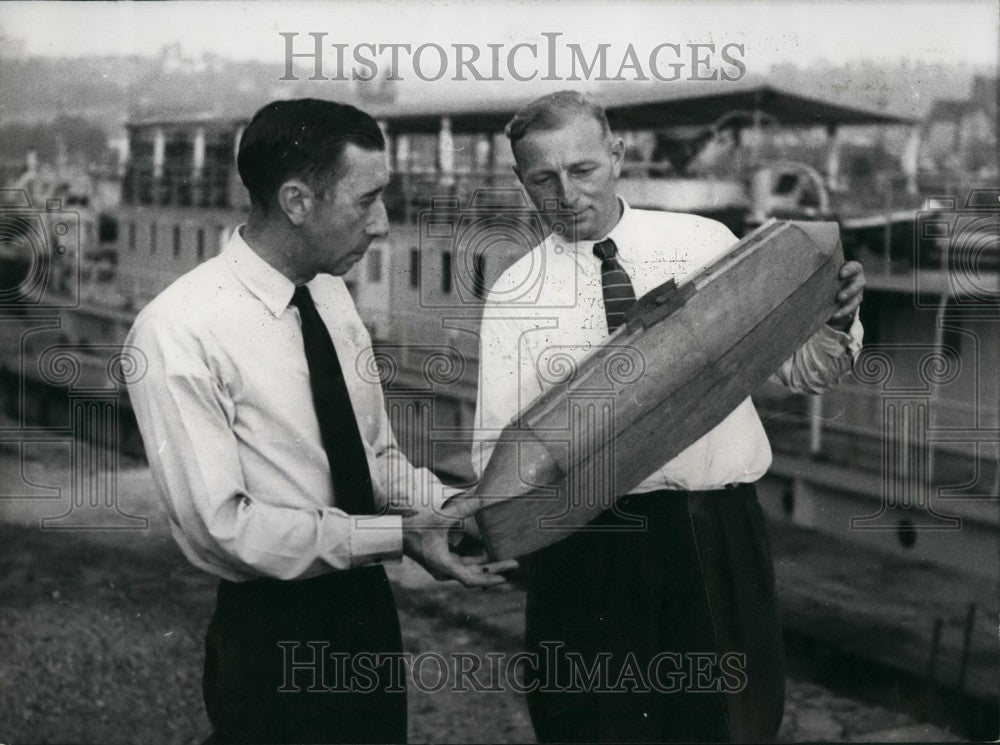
<point x="296" y="662"/>
<point x="666" y="634"/>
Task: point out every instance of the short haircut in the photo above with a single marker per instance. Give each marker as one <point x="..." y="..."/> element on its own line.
<point x="302" y="138"/>
<point x="552" y="112"/>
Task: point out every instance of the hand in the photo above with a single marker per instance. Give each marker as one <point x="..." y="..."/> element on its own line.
<point x="852" y="285"/>
<point x="425" y="540"/>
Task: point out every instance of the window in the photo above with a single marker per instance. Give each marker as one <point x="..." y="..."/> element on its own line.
<point x="375" y="265"/>
<point x="152" y="237"/>
<point x="479" y="277"/>
<point x="446" y="272"/>
<point x="414" y="268"/>
<point x="201" y="243"/>
<point x="131" y="236"/>
<point x="177" y="241"/>
<point x="107" y="229"/>
<point x="787" y="182"/>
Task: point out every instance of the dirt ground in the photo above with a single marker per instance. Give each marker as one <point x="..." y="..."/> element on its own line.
<point x="103" y="645"/>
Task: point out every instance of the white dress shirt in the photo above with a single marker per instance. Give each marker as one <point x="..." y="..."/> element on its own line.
<point x="233" y="441"/>
<point x="551" y="303"/>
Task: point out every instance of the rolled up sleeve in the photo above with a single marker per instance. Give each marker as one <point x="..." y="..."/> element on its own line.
<point x="821" y="362"/>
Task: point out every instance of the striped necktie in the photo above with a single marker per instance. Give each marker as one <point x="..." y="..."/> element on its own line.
<point x="618" y="293"/>
<point x="338" y="426"/>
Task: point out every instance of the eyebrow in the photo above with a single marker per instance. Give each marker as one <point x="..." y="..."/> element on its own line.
<point x="574" y="164"/>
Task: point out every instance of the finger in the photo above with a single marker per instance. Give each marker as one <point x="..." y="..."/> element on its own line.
<point x="461" y="507"/>
<point x="446" y="565"/>
<point x="486" y="566"/>
<point x="852" y="286"/>
<point x="855" y="280"/>
<point x="849" y="293"/>
<point x="847" y="309"/>
<point x="485" y="575"/>
<point x="852" y="306"/>
<point x="849" y="269"/>
<point x="474" y="559"/>
<point x="499" y="567"/>
<point x="475" y="579"/>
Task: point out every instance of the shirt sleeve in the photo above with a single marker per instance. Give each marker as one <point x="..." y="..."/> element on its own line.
<point x="185" y="416"/>
<point x="820" y="363"/>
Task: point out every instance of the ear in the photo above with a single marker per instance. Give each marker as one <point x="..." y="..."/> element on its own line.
<point x="296" y="199"/>
<point x="617" y="151"/>
<point x="517" y="172"/>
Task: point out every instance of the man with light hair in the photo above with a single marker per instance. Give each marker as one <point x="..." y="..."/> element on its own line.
<point x="690" y="598"/>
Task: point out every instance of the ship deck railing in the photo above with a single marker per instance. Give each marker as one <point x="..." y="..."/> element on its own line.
<point x="414" y="190"/>
<point x="210" y="187"/>
<point x="847" y="425"/>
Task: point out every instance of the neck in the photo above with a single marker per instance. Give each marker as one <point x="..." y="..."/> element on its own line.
<point x="619" y="211"/>
<point x="279" y="245"/>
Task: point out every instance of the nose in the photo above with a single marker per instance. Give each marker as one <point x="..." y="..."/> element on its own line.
<point x="378" y="226"/>
<point x="569" y="193"/>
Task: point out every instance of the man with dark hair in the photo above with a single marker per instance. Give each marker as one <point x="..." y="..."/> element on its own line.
<point x="670" y="633"/>
<point x="303" y="139"/>
<point x="273" y="456"/>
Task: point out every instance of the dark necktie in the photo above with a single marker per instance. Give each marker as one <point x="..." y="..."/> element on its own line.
<point x="338" y="427"/>
<point x="618" y="293"/>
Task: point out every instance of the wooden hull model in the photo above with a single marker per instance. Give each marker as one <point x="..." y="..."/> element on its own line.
<point x="686" y="357"/>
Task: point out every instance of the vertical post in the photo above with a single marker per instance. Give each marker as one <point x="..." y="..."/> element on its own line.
<point x="911" y="160"/>
<point x="390" y="144"/>
<point x="932" y="664"/>
<point x="963" y="663"/>
<point x="815" y="424"/>
<point x="236" y="140"/>
<point x="159" y="152"/>
<point x="833" y="157"/>
<point x="887" y="233"/>
<point x="939" y="321"/>
<point x="446" y="153"/>
<point x="491" y="156"/>
<point x="198" y="154"/>
<point x="159" y="157"/>
<point x="402" y="146"/>
<point x="231" y="186"/>
<point x="198" y="168"/>
<point x="758" y="132"/>
<point x="486" y="159"/>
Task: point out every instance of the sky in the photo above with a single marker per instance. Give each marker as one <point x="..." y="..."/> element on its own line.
<point x="805" y="33"/>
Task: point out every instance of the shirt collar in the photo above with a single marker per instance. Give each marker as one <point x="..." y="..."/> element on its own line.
<point x="622" y="234"/>
<point x="266" y="283"/>
<point x="623" y="231"/>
